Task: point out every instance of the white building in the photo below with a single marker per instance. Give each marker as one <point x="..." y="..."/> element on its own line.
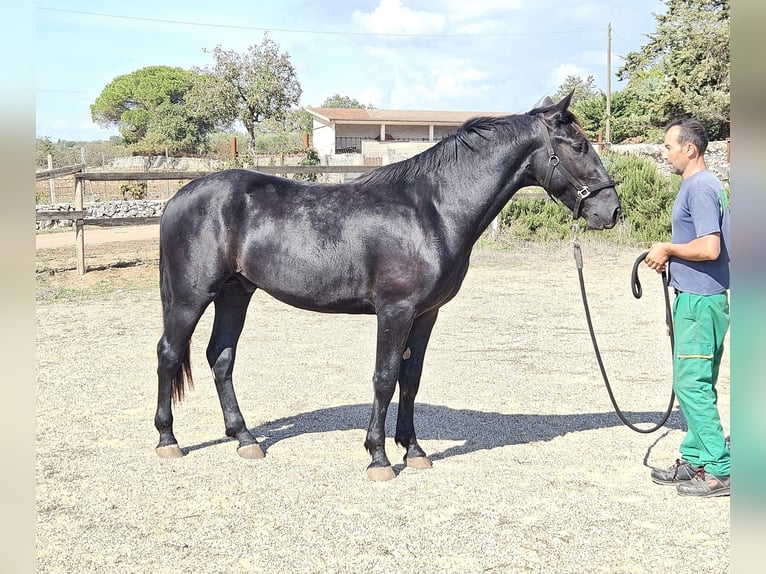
<point x="342" y="130"/>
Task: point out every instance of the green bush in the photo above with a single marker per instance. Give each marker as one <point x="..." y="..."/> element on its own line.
<point x="526" y="218"/>
<point x="645" y="193"/>
<point x="134" y="190"/>
<point x="311" y="158"/>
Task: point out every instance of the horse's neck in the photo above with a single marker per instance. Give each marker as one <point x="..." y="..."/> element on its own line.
<point x="470" y="209"/>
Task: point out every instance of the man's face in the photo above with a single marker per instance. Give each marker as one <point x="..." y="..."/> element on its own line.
<point x="674" y="153"/>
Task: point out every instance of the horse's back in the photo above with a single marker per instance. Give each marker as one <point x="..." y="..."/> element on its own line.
<point x="219" y="189"/>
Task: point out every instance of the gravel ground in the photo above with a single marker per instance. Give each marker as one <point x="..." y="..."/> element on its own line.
<point x="533" y="472"/>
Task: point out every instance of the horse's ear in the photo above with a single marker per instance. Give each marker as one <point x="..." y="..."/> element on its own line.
<point x="564" y="103"/>
<point x="543" y="102"/>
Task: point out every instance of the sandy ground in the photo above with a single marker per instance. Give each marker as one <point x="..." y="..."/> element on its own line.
<point x="533" y="472"/>
<point x="97" y="236"/>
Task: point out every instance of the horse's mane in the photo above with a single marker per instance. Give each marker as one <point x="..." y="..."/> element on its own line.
<point x="467" y="139"/>
<point x="566" y="118"/>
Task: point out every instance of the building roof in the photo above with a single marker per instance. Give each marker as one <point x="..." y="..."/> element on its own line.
<point x="375" y="116"/>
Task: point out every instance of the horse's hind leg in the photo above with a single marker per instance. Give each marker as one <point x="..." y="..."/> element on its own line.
<point x="409" y="382"/>
<point x="230" y="310"/>
<point x="173" y="370"/>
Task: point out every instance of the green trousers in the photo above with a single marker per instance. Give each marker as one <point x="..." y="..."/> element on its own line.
<point x="700" y="325"/>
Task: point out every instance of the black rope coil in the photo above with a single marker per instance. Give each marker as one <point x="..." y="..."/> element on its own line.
<point x="637" y="292"/>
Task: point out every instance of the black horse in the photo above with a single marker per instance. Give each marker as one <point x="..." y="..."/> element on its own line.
<point x="394" y="242"/>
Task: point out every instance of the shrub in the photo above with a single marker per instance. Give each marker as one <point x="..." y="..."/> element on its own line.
<point x="646" y="196"/>
<point x="527" y="218"/>
<point x="311" y="158"/>
<point x="134" y="190"/>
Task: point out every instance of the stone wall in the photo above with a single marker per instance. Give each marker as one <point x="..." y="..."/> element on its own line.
<point x="716" y="156"/>
<point x="106" y="209"/>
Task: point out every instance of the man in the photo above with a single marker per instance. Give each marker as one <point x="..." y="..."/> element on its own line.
<point x="698" y="259"/>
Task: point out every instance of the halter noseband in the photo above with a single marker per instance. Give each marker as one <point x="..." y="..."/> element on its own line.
<point x="583" y="191"/>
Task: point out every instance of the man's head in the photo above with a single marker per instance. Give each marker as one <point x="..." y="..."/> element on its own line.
<point x="685" y="142"/>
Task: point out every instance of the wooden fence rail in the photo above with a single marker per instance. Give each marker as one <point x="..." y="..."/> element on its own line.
<point x="79" y="215"/>
<point x="59" y="172"/>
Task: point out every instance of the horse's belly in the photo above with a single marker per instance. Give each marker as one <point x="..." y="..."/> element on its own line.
<point x="323" y="303"/>
<point x="315" y="287"/>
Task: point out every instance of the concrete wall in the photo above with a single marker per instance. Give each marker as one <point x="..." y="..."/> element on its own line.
<point x="391" y="152"/>
<point x="323" y="139"/>
<point x="160" y="162"/>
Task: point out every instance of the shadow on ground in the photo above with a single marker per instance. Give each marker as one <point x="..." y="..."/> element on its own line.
<point x="476" y="430"/>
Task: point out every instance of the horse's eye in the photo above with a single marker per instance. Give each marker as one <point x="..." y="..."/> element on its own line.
<point x="579" y="147"/>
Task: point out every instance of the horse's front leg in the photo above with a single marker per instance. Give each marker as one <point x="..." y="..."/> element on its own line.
<point x="393" y="328"/>
<point x="230" y="310"/>
<point x="409" y="382"/>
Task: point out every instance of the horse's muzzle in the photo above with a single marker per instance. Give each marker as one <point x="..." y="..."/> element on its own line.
<point x="600" y="221"/>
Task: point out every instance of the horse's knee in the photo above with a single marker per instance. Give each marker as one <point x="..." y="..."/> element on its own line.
<point x="384" y="383"/>
<point x="168" y="356"/>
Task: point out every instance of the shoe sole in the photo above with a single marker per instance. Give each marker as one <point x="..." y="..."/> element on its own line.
<point x="711" y="494"/>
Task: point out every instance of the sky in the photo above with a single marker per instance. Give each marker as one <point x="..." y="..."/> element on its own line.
<point x="460" y="55"/>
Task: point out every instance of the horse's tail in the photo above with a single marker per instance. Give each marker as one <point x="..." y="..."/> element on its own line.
<point x="183" y="376"/>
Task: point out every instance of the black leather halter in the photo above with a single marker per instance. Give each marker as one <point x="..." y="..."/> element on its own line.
<point x="583" y="191"/>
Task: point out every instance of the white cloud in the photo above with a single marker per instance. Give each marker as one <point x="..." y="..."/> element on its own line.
<point x="596" y="58"/>
<point x="454" y="16"/>
<point x="560" y="73"/>
<point x="371" y="95"/>
<point x="435" y="81"/>
<point x="460" y="10"/>
<point x="455" y="83"/>
<point x="589" y="11"/>
<point x="392" y="17"/>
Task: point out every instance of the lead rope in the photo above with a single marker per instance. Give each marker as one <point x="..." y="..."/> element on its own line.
<point x="637" y="292"/>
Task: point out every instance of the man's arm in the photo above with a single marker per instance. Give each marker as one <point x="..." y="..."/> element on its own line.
<point x="705" y="248"/>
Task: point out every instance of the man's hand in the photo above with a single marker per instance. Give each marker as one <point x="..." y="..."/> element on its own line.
<point x="658" y="256"/>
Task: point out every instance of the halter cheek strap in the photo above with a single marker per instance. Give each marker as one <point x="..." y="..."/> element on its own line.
<point x="583" y="191"/>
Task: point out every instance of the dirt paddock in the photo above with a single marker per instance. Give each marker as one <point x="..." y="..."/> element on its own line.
<point x="532" y="470"/>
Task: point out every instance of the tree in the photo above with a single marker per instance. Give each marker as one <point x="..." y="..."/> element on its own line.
<point x="45" y="148"/>
<point x="584" y="89"/>
<point x="689" y="51"/>
<point x="251" y="87"/>
<point x="149" y="107"/>
<point x="338" y="101"/>
<point x="633" y="111"/>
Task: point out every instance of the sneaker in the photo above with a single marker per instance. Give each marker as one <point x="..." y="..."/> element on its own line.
<point x="681" y="471"/>
<point x="705" y="484"/>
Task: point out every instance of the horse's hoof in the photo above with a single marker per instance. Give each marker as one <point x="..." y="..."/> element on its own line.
<point x="169" y="451"/>
<point x="251" y="451"/>
<point x="380" y="473"/>
<point x="418" y="462"/>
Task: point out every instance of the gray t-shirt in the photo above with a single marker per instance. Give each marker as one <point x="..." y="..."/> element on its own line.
<point x="701" y="208"/>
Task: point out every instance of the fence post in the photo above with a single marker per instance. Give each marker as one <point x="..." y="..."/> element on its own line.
<point x="51" y="181"/>
<point x="79" y="227"/>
